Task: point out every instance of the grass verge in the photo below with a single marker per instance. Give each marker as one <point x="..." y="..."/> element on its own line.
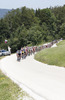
<point x="53" y="56"/>
<point x="8" y="89"/>
<point x="1" y="57"/>
<point x="11" y="91"/>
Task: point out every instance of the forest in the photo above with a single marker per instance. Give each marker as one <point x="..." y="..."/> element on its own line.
<point x="29" y="27"/>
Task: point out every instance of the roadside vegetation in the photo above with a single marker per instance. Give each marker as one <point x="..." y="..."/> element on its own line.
<point x="1" y="57"/>
<point x="29" y="27"/>
<point x="61" y="43"/>
<point x="9" y="90"/>
<point x="53" y="56"/>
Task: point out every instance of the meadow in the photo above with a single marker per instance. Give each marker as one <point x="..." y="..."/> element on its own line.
<point x="53" y="56"/>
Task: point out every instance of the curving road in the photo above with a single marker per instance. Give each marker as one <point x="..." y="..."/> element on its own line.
<point x="41" y="81"/>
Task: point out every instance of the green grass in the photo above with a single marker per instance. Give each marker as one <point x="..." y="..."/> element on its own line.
<point x="1" y="57"/>
<point x="8" y="89"/>
<point x="53" y="56"/>
<point x="61" y="43"/>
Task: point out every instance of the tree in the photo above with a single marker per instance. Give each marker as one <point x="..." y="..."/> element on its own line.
<point x="34" y="35"/>
<point x="62" y="31"/>
<point x="4" y="30"/>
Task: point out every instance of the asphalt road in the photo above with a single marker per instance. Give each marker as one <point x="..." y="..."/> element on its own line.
<point x="41" y="81"/>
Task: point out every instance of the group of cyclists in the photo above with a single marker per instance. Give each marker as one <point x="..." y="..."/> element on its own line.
<point x="27" y="51"/>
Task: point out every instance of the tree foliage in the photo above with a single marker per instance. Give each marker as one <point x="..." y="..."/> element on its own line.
<point x="26" y="26"/>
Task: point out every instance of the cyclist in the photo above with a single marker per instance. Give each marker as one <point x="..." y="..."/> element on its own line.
<point x="18" y="53"/>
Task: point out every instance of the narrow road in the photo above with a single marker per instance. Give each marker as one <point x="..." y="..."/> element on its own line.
<point x="41" y="81"/>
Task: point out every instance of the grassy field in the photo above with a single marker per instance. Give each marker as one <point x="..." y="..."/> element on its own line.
<point x="61" y="43"/>
<point x="53" y="56"/>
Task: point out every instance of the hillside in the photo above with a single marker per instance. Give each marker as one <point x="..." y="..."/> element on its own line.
<point x="53" y="56"/>
<point x="3" y="12"/>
